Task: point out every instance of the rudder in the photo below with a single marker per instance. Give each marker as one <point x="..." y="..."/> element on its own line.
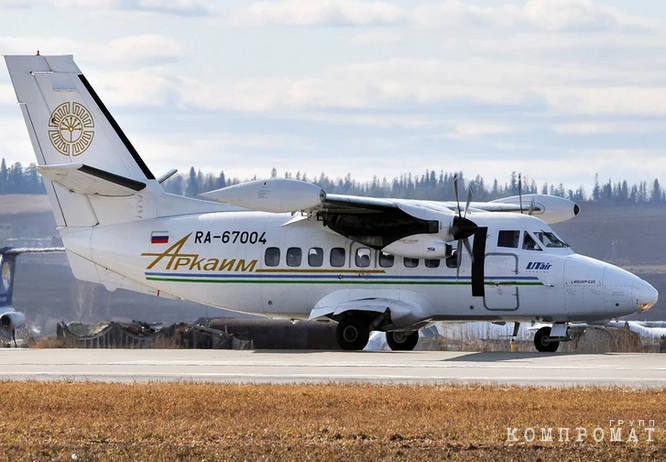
<point x="68" y="123"/>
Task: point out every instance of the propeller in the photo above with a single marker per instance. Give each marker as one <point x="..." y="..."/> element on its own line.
<point x="462" y="227"/>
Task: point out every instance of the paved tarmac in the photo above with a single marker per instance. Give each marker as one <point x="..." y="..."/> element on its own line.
<point x="266" y="366"/>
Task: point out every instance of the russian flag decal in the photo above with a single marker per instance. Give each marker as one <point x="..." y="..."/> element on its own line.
<point x="159" y="237"/>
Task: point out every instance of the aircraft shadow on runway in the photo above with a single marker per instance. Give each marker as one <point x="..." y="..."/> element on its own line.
<point x="495" y="356"/>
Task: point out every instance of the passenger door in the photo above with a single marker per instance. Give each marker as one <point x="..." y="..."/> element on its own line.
<point x="501" y="292"/>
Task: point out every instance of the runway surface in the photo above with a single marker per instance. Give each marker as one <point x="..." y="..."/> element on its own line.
<point x="229" y="366"/>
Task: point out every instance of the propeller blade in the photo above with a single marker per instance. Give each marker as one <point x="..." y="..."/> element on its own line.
<point x="532" y="207"/>
<point x="458" y="257"/>
<point x="468" y="248"/>
<point x="469" y="199"/>
<point x="455" y="187"/>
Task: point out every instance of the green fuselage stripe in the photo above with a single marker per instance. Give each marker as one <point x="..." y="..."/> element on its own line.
<point x="335" y="281"/>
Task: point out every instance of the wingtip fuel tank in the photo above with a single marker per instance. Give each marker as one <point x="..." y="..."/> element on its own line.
<point x="275" y="195"/>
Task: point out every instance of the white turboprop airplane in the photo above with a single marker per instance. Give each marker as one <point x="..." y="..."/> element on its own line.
<point x="10" y="319"/>
<point x="287" y="249"/>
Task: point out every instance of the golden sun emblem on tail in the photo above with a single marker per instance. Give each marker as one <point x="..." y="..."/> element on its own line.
<point x="72" y="129"/>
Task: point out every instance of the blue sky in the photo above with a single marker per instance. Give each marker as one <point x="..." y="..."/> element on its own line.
<point x="556" y="89"/>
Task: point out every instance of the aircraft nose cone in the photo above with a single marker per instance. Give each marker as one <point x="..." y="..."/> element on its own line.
<point x="644" y="294"/>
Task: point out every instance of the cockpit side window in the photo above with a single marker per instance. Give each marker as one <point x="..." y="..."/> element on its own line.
<point x="529" y="243"/>
<point x="549" y="239"/>
<point x="508" y="239"/>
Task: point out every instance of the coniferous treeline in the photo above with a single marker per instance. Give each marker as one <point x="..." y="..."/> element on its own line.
<point x="431" y="185"/>
<point x="19" y="180"/>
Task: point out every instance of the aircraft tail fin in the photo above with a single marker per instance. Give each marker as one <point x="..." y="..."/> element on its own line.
<point x="7" y="266"/>
<point x="82" y="152"/>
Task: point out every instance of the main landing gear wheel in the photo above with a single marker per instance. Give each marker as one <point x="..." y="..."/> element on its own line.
<point x="402" y="341"/>
<point x="541" y="341"/>
<point x="352" y="333"/>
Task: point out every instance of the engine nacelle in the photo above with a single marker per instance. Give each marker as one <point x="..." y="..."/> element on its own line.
<point x="418" y="246"/>
<point x="550" y="209"/>
<point x="12" y="320"/>
<point x="276" y="195"/>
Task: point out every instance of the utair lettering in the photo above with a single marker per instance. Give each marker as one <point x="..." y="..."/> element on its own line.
<point x="538" y="265"/>
<point x="175" y="261"/>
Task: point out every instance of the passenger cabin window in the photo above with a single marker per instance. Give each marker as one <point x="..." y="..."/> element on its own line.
<point x="550" y="240"/>
<point x="529" y="243"/>
<point x="362" y="259"/>
<point x="272" y="256"/>
<point x="432" y="263"/>
<point x="508" y="239"/>
<point x="294" y="255"/>
<point x="338" y="257"/>
<point x="385" y="260"/>
<point x="316" y="256"/>
<point x="411" y="262"/>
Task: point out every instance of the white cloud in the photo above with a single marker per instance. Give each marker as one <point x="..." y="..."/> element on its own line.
<point x="384" y="83"/>
<point x="137" y="48"/>
<point x="146" y="87"/>
<point x="16" y="145"/>
<point x="313" y="13"/>
<point x="170" y="7"/>
<point x="548" y="15"/>
<point x="407" y="120"/>
<point x="130" y="49"/>
<point x="19" y="4"/>
<point x="211" y="152"/>
<point x="610" y="100"/>
<point x="270" y="94"/>
<point x="376" y="37"/>
<point x="579" y="15"/>
<point x="7" y="95"/>
<point x="475" y="129"/>
<point x="601" y="128"/>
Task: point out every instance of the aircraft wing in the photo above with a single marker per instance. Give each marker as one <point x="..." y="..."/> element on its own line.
<point x="283" y="195"/>
<point x="375" y="222"/>
<point x="405" y="227"/>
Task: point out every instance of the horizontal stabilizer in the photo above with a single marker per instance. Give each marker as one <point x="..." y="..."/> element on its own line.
<point x="84" y="179"/>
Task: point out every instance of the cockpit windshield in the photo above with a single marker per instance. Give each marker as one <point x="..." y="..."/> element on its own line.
<point x="550" y="240"/>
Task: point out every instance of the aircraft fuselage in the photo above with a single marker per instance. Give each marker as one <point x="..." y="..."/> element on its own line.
<point x="252" y="262"/>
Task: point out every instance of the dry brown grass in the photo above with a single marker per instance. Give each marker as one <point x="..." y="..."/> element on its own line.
<point x="52" y="421"/>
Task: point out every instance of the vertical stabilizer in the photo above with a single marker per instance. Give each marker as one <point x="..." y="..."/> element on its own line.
<point x="7" y="266"/>
<point x="69" y="124"/>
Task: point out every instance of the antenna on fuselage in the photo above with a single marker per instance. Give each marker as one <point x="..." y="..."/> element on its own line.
<point x="520" y="197"/>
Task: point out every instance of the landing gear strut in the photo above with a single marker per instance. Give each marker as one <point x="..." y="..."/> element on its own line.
<point x="353" y="332"/>
<point x="402" y="341"/>
<point x="543" y="342"/>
